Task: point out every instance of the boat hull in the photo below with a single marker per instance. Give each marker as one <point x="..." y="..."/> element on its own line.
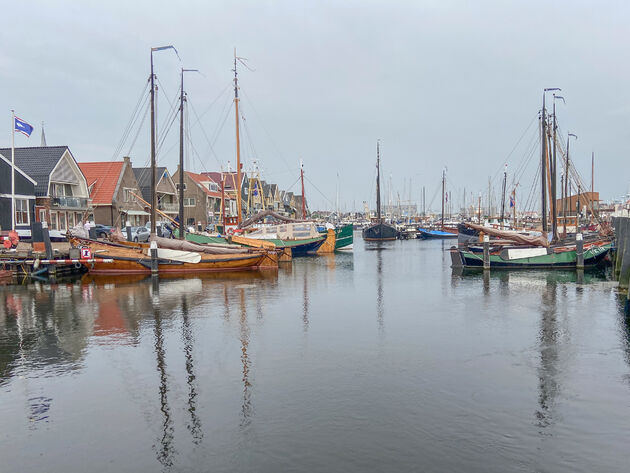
<point x="298" y="247"/>
<point x="344" y="236"/>
<point x="593" y="256"/>
<point x="133" y="260"/>
<point x="426" y="234"/>
<point x="380" y="232"/>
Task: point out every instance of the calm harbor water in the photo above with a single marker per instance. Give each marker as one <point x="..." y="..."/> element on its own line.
<point x="378" y="360"/>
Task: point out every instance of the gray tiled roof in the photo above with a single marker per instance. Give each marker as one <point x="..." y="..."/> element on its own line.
<point x="38" y="162"/>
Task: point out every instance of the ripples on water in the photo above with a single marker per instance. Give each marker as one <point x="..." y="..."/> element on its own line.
<point x="383" y="359"/>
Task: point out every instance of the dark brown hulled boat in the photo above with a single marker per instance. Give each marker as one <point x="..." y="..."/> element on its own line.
<point x="379" y="230"/>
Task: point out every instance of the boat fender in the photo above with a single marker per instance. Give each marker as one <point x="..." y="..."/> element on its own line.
<point x="36" y="264"/>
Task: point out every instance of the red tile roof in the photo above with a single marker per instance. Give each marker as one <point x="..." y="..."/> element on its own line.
<point x="104" y="176"/>
<point x="230" y="179"/>
<point x="202" y="180"/>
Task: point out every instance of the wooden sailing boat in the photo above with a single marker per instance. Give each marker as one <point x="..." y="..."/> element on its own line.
<point x="167" y="256"/>
<point x="379" y="230"/>
<point x="441" y="233"/>
<point x="561" y="254"/>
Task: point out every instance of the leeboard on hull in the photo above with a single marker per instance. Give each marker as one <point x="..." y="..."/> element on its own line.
<point x="380" y="232"/>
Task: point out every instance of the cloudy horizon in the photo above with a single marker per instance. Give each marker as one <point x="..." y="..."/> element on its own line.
<point x="441" y="84"/>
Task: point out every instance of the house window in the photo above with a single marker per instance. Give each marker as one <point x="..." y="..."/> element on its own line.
<point x="53" y="221"/>
<point x="177" y="187"/>
<point x="189" y="201"/>
<point x="62" y="221"/>
<point x="77" y="217"/>
<point x="70" y="220"/>
<point x="129" y="194"/>
<point x="62" y="190"/>
<point x="21" y="212"/>
<point x="42" y="215"/>
<point x="213" y="187"/>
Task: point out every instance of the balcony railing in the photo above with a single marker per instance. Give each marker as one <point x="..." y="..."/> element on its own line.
<point x="70" y="202"/>
<point x="168" y="206"/>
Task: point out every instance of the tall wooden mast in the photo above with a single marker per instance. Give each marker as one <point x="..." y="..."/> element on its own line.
<point x="238" y="144"/>
<point x="182" y="226"/>
<point x="503" y="196"/>
<point x="378" y="182"/>
<point x="543" y="164"/>
<point x="153" y="162"/>
<point x="153" y="169"/>
<point x="443" y="186"/>
<point x="303" y="196"/>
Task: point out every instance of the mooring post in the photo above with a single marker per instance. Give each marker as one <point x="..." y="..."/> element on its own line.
<point x="128" y="230"/>
<point x="621" y="227"/>
<point x="623" y="248"/>
<point x="154" y="258"/>
<point x="579" y="251"/>
<point x="47" y="243"/>
<point x="486" y="252"/>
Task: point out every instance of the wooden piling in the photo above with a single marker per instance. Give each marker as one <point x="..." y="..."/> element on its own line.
<point x="579" y="251"/>
<point x="486" y="252"/>
<point x="621" y="227"/>
<point x="623" y="251"/>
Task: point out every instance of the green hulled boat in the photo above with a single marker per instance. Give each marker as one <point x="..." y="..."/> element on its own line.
<point x="344" y="236"/>
<point x="540" y="258"/>
<point x="299" y="246"/>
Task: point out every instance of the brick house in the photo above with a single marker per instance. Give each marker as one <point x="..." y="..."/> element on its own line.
<point x="112" y="185"/>
<point x="202" y="198"/>
<point x="167" y="199"/>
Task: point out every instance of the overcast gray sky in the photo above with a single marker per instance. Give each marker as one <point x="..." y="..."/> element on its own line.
<point x="441" y="83"/>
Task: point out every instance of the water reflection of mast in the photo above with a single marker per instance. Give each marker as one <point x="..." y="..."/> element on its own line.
<point x="305" y="304"/>
<point x="195" y="423"/>
<point x="244" y="332"/>
<point x="379" y="290"/>
<point x="165" y="454"/>
<point x="548" y="385"/>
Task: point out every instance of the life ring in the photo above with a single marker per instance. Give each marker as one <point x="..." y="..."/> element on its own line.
<point x="230" y="231"/>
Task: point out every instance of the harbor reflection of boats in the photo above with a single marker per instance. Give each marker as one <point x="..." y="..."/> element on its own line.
<point x="535" y="277"/>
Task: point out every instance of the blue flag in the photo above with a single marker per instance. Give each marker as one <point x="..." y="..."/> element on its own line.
<point x="511" y="201"/>
<point x="23" y="127"/>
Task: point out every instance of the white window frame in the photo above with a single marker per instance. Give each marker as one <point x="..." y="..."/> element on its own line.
<point x="28" y="213"/>
<point x="189" y="202"/>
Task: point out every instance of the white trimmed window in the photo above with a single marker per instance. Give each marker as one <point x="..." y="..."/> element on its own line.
<point x="21" y="212"/>
<point x="128" y="196"/>
<point x="189" y="201"/>
<point x="53" y="221"/>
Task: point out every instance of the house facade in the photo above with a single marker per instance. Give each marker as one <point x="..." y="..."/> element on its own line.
<point x="24" y="197"/>
<point x="167" y="199"/>
<point x="202" y="198"/>
<point x="61" y="193"/>
<point x="113" y="190"/>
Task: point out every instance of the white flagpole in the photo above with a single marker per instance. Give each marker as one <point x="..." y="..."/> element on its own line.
<point x="13" y="170"/>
